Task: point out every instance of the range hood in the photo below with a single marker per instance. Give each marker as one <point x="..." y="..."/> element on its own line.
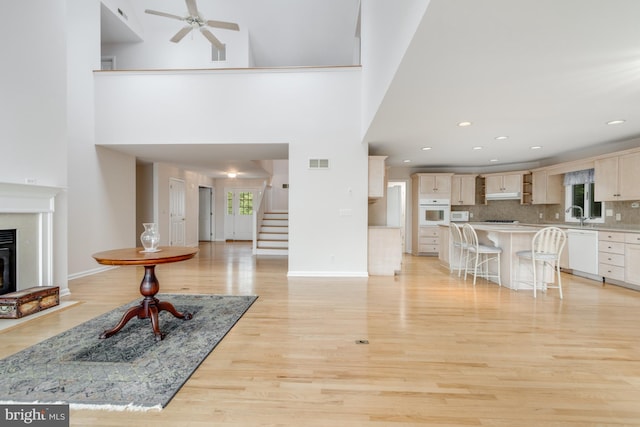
<point x="503" y="196"/>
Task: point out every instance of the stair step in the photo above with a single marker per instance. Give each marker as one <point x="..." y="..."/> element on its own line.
<point x="276" y="215"/>
<point x="276" y="222"/>
<point x="274" y="229"/>
<point x="278" y="252"/>
<point x="273" y="244"/>
<point x="273" y="236"/>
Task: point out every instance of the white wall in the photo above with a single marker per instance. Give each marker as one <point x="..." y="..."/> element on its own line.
<point x="387" y="29"/>
<point x="33" y="111"/>
<point x="316" y="111"/>
<point x="101" y="182"/>
<point x="279" y="195"/>
<point x="193" y="51"/>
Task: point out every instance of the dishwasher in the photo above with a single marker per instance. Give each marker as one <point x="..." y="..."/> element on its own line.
<point x="583" y="250"/>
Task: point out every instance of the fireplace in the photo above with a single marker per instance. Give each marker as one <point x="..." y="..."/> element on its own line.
<point x="7" y="261"/>
<point x="26" y="217"/>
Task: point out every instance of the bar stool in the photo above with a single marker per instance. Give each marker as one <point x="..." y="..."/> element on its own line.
<point x="546" y="248"/>
<point x="479" y="256"/>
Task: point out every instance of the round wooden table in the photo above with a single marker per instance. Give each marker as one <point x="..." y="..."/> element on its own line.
<point x="150" y="305"/>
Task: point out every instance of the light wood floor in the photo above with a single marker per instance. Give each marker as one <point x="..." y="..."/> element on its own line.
<point x="440" y="351"/>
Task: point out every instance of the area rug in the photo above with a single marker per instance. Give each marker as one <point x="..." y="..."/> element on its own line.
<point x="128" y="371"/>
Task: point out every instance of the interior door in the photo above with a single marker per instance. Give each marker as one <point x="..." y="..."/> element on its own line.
<point x="238" y="220"/>
<point x="176" y="212"/>
<point x="206" y="211"/>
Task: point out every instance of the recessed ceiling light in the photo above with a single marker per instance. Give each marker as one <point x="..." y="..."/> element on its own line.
<point x="615" y="122"/>
<point x="463" y="124"/>
<point x="493" y="160"/>
<point x="426" y="148"/>
<point x="477" y="148"/>
<point x="406" y="161"/>
<point x="232" y="175"/>
<point x="501" y="137"/>
<point x="536" y="147"/>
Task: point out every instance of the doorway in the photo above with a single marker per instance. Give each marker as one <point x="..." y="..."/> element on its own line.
<point x="238" y="218"/>
<point x="206" y="214"/>
<point x="396" y="208"/>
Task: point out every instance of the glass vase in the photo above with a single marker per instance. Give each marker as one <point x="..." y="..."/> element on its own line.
<point x="150" y="238"/>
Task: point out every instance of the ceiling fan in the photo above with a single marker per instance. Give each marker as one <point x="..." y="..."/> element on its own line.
<point x="195" y="21"/>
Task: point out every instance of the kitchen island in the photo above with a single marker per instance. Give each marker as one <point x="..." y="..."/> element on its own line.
<point x="511" y="238"/>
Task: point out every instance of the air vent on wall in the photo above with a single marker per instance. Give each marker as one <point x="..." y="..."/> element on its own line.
<point x="318" y="163"/>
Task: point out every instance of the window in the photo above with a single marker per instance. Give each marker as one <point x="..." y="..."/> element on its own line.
<point x="246" y="203"/>
<point x="580" y="192"/>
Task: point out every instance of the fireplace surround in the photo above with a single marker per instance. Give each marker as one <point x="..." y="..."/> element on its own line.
<point x="28" y="209"/>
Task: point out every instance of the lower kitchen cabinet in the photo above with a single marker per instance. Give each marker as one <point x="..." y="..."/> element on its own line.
<point x="429" y="240"/>
<point x="611" y="255"/>
<point x="632" y="258"/>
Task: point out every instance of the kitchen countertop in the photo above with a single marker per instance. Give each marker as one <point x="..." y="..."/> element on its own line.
<point x="596" y="227"/>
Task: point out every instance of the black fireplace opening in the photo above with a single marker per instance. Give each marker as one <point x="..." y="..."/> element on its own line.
<point x="7" y="261"/>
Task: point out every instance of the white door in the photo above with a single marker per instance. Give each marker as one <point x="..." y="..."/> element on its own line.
<point x="176" y="212"/>
<point x="238" y="218"/>
<point x="206" y="218"/>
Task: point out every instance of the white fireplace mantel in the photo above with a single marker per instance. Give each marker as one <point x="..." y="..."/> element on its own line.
<point x="39" y="200"/>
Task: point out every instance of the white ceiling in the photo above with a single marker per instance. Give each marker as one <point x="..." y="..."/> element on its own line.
<point x="546" y="73"/>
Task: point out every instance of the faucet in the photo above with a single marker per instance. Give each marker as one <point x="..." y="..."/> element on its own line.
<point x="581" y="217"/>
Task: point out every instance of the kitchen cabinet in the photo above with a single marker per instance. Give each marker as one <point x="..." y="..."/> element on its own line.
<point x="377" y="175"/>
<point x="616" y="178"/>
<point x="429" y="240"/>
<point x="434" y="185"/>
<point x="510" y="183"/>
<point x="463" y="189"/>
<point x="632" y="258"/>
<point x="546" y="189"/>
<point x="611" y="255"/>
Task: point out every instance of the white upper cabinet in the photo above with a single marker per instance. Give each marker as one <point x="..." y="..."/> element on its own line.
<point x="463" y="190"/>
<point x="435" y="185"/>
<point x="617" y="177"/>
<point x="377" y="175"/>
<point x="546" y="189"/>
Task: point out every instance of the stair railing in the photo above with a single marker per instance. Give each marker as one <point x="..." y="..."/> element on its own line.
<point x="258" y="213"/>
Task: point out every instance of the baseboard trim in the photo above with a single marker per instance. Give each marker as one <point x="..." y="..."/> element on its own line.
<point x="89" y="272"/>
<point x="328" y="274"/>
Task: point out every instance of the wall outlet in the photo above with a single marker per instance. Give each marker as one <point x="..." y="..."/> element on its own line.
<point x="557" y="215"/>
<point x="540" y="215"/>
<point x="618" y="217"/>
<point x="470" y="214"/>
<point x="608" y="212"/>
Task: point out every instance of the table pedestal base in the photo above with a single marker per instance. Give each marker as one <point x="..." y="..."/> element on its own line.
<point x="149" y="307"/>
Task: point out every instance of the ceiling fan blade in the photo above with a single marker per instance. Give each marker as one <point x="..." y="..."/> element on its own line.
<point x="166" y="15"/>
<point x="180" y="34"/>
<point x="213" y="39"/>
<point x="224" y="25"/>
<point x="192" y="7"/>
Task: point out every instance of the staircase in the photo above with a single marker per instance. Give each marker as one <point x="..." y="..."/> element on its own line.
<point x="273" y="236"/>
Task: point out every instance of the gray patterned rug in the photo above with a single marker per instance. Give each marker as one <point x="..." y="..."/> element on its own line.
<point x="128" y="371"/>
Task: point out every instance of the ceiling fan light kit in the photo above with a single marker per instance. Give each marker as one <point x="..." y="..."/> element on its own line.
<point x="195" y="21"/>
